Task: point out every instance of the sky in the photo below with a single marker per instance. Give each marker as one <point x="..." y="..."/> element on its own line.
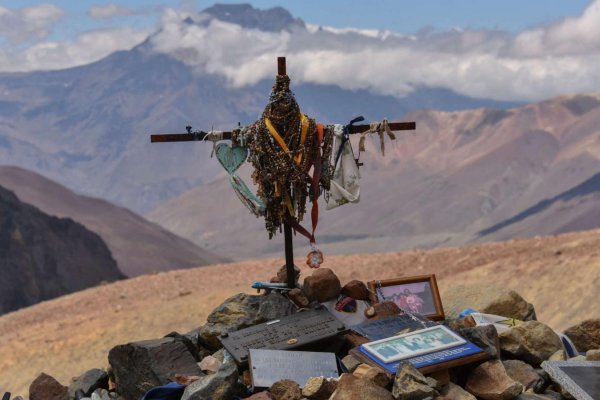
<point x="506" y="50"/>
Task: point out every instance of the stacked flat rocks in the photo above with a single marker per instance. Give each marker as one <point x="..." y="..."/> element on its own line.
<point x="197" y="361"/>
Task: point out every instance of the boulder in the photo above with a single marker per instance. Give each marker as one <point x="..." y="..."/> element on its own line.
<point x="586" y="335"/>
<point x="357" y="290"/>
<point x="241" y="311"/>
<point x="286" y="389"/>
<point x="350" y="387"/>
<point x="219" y="386"/>
<point x="410" y="384"/>
<point x="532" y="342"/>
<point x="318" y="388"/>
<point x="487" y="298"/>
<point x="454" y="392"/>
<point x="322" y="285"/>
<point x="45" y="387"/>
<point x="525" y="374"/>
<point x="485" y="337"/>
<point x="88" y="382"/>
<point x="489" y="381"/>
<point x="140" y="366"/>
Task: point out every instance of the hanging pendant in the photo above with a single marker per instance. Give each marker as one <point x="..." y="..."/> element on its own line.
<point x="314" y="259"/>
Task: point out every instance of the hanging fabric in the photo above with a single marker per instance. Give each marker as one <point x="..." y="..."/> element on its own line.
<point x="345" y="183"/>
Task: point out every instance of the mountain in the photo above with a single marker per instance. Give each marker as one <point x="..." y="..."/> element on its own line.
<point x="82" y="327"/>
<point x="138" y="246"/>
<point x="461" y="177"/>
<point x="88" y="127"/>
<point x="45" y="257"/>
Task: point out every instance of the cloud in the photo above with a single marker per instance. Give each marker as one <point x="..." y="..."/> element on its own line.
<point x="86" y="48"/>
<point x="28" y="23"/>
<point x="537" y="63"/>
<point x="109" y="11"/>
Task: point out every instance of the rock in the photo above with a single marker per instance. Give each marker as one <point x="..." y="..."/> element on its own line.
<point x="592" y="355"/>
<point x="442" y="377"/>
<point x="378" y="377"/>
<point x="286" y="389"/>
<point x="361" y="370"/>
<point x="410" y="384"/>
<point x="586" y="335"/>
<point x="559" y="355"/>
<point x="88" y="382"/>
<point x="357" y="290"/>
<point x="487" y="298"/>
<point x="534" y="396"/>
<point x="186" y="379"/>
<point x="485" y="337"/>
<point x="210" y="364"/>
<point x="382" y="310"/>
<point x="103" y="394"/>
<point x="350" y="362"/>
<point x="489" y="381"/>
<point x="298" y="297"/>
<point x="525" y="374"/>
<point x="532" y="342"/>
<point x="140" y="366"/>
<point x="218" y="386"/>
<point x="45" y="387"/>
<point x="187" y="342"/>
<point x="456" y="324"/>
<point x="350" y="387"/>
<point x="241" y="311"/>
<point x="322" y="285"/>
<point x="318" y="388"/>
<point x="454" y="392"/>
<point x="282" y="274"/>
<point x="261" y="396"/>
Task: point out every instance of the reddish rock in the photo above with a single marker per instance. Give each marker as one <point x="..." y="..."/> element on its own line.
<point x="356" y="289"/>
<point x="489" y="381"/>
<point x="45" y="387"/>
<point x="282" y="274"/>
<point x="261" y="396"/>
<point x="322" y="285"/>
<point x="352" y="388"/>
<point x="586" y="335"/>
<point x="186" y="379"/>
<point x="286" y="389"/>
<point x="525" y="374"/>
<point x="318" y="388"/>
<point x="298" y="297"/>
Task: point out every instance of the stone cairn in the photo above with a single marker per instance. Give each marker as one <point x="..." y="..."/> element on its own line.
<point x="196" y="359"/>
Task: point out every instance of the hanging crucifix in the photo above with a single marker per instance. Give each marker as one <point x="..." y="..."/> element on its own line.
<point x="295" y="159"/>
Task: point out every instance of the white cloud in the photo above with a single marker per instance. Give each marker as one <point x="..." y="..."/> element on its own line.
<point x="28" y="23"/>
<point x="537" y="63"/>
<point x="109" y="11"/>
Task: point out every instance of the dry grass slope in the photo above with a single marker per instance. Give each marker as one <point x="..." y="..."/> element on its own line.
<point x="68" y="335"/>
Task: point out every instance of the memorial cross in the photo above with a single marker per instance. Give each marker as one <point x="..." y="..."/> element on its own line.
<point x="287" y="228"/>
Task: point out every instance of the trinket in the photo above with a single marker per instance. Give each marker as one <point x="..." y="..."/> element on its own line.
<point x="314" y="259"/>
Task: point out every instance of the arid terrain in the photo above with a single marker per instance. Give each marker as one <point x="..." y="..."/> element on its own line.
<point x="63" y="337"/>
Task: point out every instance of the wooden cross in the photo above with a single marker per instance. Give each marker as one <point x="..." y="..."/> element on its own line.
<point x="287" y="228"/>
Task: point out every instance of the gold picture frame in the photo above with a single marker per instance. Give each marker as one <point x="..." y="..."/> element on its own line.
<point x="417" y="294"/>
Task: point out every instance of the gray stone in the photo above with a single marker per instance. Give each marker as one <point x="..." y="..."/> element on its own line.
<point x="140" y="366"/>
<point x="88" y="382"/>
<point x="101" y="394"/>
<point x="526" y="375"/>
<point x="410" y="384"/>
<point x="219" y="386"/>
<point x="486" y="298"/>
<point x="241" y="311"/>
<point x="489" y="381"/>
<point x="485" y="337"/>
<point x="532" y="342"/>
<point x="350" y="387"/>
<point x="586" y="335"/>
<point x="286" y="389"/>
<point x="322" y="285"/>
<point x="454" y="392"/>
<point x="45" y="387"/>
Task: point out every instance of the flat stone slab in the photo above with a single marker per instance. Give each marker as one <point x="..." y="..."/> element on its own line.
<point x="580" y="378"/>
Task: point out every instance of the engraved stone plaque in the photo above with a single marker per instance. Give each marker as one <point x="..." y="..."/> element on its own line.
<point x="270" y="366"/>
<point x="392" y="326"/>
<point x="580" y="378"/>
<point x="300" y="330"/>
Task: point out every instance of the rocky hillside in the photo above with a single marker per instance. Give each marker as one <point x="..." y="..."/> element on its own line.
<point x="558" y="274"/>
<point x="461" y="177"/>
<point x="43" y="257"/>
<point x="138" y="246"/>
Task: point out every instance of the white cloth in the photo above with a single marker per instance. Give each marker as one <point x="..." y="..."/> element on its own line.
<point x="345" y="184"/>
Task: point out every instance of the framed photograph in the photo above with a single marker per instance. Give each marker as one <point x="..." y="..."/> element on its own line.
<point x="413" y="344"/>
<point x="417" y="294"/>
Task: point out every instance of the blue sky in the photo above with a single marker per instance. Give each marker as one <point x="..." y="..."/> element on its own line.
<point x="505" y="50"/>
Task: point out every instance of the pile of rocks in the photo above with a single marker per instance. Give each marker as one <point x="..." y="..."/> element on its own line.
<point x="198" y="361"/>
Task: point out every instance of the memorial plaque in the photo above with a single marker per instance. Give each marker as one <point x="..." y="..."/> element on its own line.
<point x="392" y="326"/>
<point x="580" y="378"/>
<point x="270" y="366"/>
<point x="297" y="331"/>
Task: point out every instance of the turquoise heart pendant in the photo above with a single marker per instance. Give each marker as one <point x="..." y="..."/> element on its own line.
<point x="231" y="158"/>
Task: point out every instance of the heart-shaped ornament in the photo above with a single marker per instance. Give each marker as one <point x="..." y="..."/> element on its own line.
<point x="231" y="158"/>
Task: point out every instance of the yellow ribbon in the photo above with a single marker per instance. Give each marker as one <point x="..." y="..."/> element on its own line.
<point x="281" y="142"/>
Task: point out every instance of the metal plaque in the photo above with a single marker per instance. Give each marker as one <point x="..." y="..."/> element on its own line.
<point x="270" y="366"/>
<point x="580" y="378"/>
<point x="292" y="332"/>
<point x="392" y="326"/>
